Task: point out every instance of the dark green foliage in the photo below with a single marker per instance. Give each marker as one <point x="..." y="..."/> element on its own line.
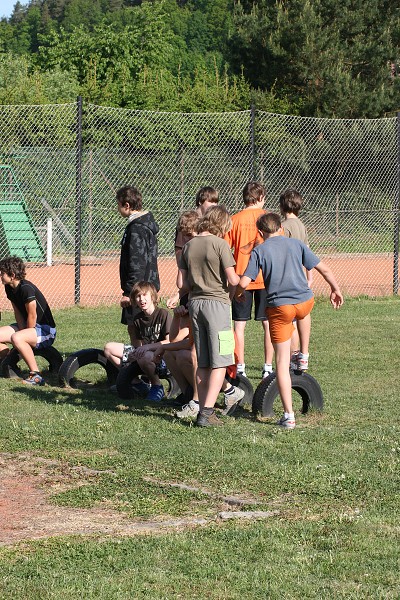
<point x="315" y="58"/>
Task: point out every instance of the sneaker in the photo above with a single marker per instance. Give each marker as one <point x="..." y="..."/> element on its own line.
<point x="204" y="420"/>
<point x="294" y="361"/>
<point x="302" y="363"/>
<point x="141" y="388"/>
<point x="266" y="372"/>
<point x="286" y="423"/>
<point x="156" y="393"/>
<point x="189" y="411"/>
<point x="232" y="401"/>
<point x="241" y="373"/>
<point x="34" y="379"/>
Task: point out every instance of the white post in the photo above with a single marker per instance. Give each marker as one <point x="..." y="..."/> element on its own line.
<point x="49" y="251"/>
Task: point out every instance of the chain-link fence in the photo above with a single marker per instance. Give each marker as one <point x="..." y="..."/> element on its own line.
<point x="61" y="166"/>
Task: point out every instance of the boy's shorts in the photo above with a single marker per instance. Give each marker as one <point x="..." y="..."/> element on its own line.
<point x="45" y="336"/>
<point x="212" y="333"/>
<point x="281" y="319"/>
<point x="241" y="311"/>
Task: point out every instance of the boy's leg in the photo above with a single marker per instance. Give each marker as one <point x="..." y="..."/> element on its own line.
<point x="113" y="351"/>
<point x="268" y="346"/>
<point x="239" y="347"/>
<point x="282" y="359"/>
<point x="304" y="329"/>
<point x="24" y="341"/>
<point x="209" y="383"/>
<point x="5" y="338"/>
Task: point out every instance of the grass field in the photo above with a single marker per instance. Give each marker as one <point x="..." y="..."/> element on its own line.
<point x="331" y="486"/>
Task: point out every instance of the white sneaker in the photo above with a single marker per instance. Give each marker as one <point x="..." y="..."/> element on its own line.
<point x="189" y="411"/>
<point x="266" y="372"/>
<point x="232" y="401"/>
<point x="286" y="423"/>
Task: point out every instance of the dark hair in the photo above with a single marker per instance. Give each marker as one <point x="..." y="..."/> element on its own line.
<point x="188" y="222"/>
<point x="290" y="201"/>
<point x="216" y="220"/>
<point x="207" y="194"/>
<point x="269" y="222"/>
<point x="142" y="287"/>
<point x="252" y="192"/>
<point x="13" y="265"/>
<point x="131" y="195"/>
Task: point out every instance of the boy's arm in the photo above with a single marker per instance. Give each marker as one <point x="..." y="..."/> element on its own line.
<point x="18" y="317"/>
<point x="233" y="280"/>
<point x="242" y="285"/>
<point x="185" y="344"/>
<point x="31" y="318"/>
<point x="336" y="296"/>
<point x="141" y="350"/>
<point x="185" y="287"/>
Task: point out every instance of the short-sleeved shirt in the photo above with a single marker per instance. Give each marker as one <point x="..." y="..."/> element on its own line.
<point x="281" y="261"/>
<point x="243" y="238"/>
<point x="295" y="228"/>
<point x="205" y="258"/>
<point x="152" y="328"/>
<point x="26" y="292"/>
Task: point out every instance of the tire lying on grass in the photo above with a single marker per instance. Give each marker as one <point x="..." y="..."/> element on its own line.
<point x="10" y="364"/>
<point x="243" y="383"/>
<point x="82" y="358"/>
<point x="126" y="374"/>
<point x="304" y="384"/>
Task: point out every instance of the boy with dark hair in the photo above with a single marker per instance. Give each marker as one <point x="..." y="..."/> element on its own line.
<point x="281" y="261"/>
<point x="150" y="327"/>
<point x="206" y="196"/>
<point x="34" y="327"/>
<point x="138" y="261"/>
<point x="290" y="204"/>
<point x="243" y="237"/>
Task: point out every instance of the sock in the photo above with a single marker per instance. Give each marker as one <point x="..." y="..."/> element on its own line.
<point x="301" y="355"/>
<point x="240" y="367"/>
<point x="230" y="391"/>
<point x="289" y="416"/>
<point x="267" y="367"/>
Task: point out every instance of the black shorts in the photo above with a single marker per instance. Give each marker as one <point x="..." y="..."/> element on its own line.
<point x="241" y="311"/>
<point x="129" y="314"/>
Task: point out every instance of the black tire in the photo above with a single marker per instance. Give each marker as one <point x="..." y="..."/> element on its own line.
<point x="243" y="383"/>
<point x="305" y="385"/>
<point x="70" y="366"/>
<point x="126" y="374"/>
<point x="10" y="364"/>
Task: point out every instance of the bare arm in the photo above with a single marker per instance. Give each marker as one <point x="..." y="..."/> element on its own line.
<point x="242" y="285"/>
<point x="336" y="296"/>
<point x="18" y="317"/>
<point x="31" y="319"/>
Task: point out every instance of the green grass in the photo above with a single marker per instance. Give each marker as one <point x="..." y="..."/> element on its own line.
<point x="334" y="479"/>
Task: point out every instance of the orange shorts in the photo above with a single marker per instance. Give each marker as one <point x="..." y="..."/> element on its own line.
<point x="281" y="319"/>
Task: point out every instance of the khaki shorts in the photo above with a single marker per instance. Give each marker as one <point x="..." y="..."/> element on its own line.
<point x="281" y="319"/>
<point x="212" y="333"/>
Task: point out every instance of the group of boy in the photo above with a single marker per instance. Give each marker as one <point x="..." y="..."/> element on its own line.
<point x="225" y="265"/>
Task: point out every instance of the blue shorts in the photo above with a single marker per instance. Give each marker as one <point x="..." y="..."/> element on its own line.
<point x="45" y="335"/>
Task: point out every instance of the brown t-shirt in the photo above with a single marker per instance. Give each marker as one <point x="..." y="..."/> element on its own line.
<point x="295" y="228"/>
<point x="205" y="258"/>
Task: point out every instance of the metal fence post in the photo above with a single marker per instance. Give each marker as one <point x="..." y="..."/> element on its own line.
<point x="252" y="141"/>
<point x="78" y="200"/>
<point x="396" y="215"/>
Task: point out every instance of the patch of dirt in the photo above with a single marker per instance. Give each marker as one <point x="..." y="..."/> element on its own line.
<point x="26" y="483"/>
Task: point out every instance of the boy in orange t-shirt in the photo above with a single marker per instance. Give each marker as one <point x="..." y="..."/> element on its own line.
<point x="243" y="237"/>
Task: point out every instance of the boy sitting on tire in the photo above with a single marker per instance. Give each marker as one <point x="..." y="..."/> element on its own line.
<point x="150" y="326"/>
<point x="34" y="327"/>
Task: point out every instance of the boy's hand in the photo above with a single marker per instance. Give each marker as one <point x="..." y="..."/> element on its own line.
<point x="158" y="354"/>
<point x="239" y="295"/>
<point x="336" y="298"/>
<point x="125" y="302"/>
